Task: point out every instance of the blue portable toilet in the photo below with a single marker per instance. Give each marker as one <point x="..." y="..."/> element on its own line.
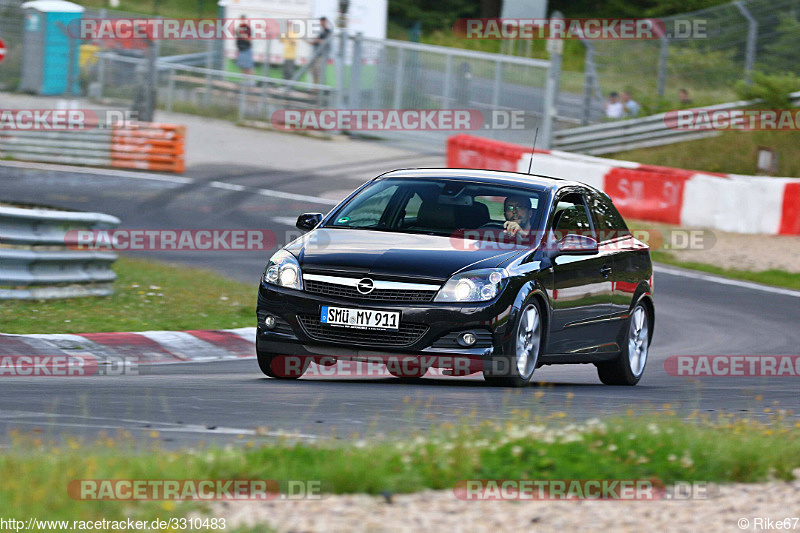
<point x="50" y="57"/>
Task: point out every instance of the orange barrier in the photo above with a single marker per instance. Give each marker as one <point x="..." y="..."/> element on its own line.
<point x="153" y="146"/>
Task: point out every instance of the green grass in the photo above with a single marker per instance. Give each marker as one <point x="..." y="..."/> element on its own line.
<point x="147" y="296"/>
<point x="778" y="278"/>
<point x="36" y="473"/>
<point x="734" y="152"/>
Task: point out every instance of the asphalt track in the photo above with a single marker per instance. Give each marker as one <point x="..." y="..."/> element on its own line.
<point x="232" y="401"/>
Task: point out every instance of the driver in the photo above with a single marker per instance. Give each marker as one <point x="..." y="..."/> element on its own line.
<point x="518" y="215"/>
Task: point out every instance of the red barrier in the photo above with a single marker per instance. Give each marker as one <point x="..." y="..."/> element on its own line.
<point x="466" y="151"/>
<point x="790" y="221"/>
<point x="655" y="196"/>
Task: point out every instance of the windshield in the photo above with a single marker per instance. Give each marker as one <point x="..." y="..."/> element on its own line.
<point x="441" y="207"/>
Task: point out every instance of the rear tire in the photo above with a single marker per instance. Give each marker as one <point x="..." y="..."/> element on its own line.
<point x="515" y="368"/>
<point x="628" y="367"/>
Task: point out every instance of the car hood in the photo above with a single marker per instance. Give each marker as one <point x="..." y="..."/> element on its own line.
<point x="366" y="252"/>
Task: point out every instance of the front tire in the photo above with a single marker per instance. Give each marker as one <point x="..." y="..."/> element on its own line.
<point x="514" y="369"/>
<point x="628" y="367"/>
<point x="281" y="366"/>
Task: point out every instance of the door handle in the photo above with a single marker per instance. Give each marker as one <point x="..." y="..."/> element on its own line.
<point x="605" y="271"/>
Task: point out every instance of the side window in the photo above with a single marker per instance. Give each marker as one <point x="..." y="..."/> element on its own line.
<point x="412" y="209"/>
<point x="610" y="224"/>
<point x="571" y="216"/>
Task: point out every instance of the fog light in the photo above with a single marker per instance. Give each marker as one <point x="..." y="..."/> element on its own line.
<point x="269" y="322"/>
<point x="467" y="339"/>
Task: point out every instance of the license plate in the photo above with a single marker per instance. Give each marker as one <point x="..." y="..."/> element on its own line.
<point x="359" y="318"/>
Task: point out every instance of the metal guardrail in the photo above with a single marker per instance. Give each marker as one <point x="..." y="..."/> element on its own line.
<point x="635" y="133"/>
<point x="35" y="262"/>
<point x="91" y="147"/>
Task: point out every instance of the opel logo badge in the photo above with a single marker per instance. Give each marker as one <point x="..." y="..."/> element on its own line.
<point x="365" y="286"/>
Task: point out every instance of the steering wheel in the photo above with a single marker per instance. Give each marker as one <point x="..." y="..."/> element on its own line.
<point x="493" y="225"/>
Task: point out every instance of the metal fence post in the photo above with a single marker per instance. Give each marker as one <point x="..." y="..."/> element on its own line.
<point x="448" y="81"/>
<point x="170" y="88"/>
<point x="752" y="39"/>
<point x="242" y="96"/>
<point x="355" y="72"/>
<point x="498" y="80"/>
<point x="398" y="88"/>
<point x="663" y="54"/>
<point x="101" y="64"/>
<point x="266" y="58"/>
<point x="209" y="65"/>
<point x="588" y="82"/>
<point x="340" y="67"/>
<point x="556" y="49"/>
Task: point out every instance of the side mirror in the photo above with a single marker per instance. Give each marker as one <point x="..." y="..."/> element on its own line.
<point x="573" y="244"/>
<point x="308" y="221"/>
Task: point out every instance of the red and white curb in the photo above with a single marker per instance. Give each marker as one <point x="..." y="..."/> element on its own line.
<point x="146" y="347"/>
<point x="727" y="202"/>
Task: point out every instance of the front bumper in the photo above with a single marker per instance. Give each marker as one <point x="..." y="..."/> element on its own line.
<point x="425" y="328"/>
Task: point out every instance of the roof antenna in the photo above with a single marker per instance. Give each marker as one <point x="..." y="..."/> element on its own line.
<point x="535" y="136"/>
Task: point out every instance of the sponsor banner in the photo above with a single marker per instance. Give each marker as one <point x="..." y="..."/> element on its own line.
<point x="197" y="489"/>
<point x="561" y="28"/>
<point x="733" y="366"/>
<point x="733" y="119"/>
<point x="126" y="29"/>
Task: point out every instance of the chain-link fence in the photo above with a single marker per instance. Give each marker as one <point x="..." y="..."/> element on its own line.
<point x="11" y="27"/>
<point x="706" y="54"/>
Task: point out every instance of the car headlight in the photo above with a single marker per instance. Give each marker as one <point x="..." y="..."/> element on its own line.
<point x="284" y="270"/>
<point x="474" y="286"/>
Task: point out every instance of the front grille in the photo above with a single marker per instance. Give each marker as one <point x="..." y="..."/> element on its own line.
<point x="343" y="291"/>
<point x="407" y="335"/>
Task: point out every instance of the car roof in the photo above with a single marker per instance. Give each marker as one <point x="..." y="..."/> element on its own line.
<point x="487" y="176"/>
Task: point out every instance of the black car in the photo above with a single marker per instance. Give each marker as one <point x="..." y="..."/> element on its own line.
<point x="505" y="271"/>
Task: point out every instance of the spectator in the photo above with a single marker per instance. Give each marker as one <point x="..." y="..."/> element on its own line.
<point x="631" y="106"/>
<point x="289" y="53"/>
<point x="320" y="47"/>
<point x="683" y="97"/>
<point x="614" y="108"/>
<point x="244" y="44"/>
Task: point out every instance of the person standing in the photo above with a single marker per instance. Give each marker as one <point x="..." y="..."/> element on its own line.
<point x="631" y="106"/>
<point x="614" y="108"/>
<point x="244" y="46"/>
<point x="321" y="47"/>
<point x="289" y="42"/>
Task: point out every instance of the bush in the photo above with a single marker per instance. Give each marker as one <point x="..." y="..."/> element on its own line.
<point x="773" y="89"/>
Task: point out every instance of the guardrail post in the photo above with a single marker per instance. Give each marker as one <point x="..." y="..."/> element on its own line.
<point x="663" y="54"/>
<point x="355" y="72"/>
<point x="752" y="38"/>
